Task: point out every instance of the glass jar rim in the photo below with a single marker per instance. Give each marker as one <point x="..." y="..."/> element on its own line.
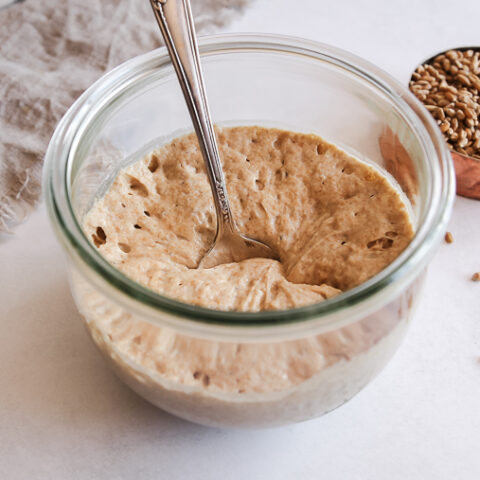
<point x="364" y="298"/>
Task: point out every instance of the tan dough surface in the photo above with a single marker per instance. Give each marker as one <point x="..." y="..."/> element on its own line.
<point x="334" y="220"/>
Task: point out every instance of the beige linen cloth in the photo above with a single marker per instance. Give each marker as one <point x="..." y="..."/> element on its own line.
<point x="52" y="50"/>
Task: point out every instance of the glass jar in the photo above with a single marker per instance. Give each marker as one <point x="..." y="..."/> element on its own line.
<point x="232" y="368"/>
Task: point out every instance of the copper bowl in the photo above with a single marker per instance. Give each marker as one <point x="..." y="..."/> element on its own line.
<point x="467" y="168"/>
<point x="467" y="172"/>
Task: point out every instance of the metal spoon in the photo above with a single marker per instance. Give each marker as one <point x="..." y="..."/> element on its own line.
<point x="176" y="24"/>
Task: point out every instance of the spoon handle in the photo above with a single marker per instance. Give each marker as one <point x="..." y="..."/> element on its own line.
<point x="175" y="20"/>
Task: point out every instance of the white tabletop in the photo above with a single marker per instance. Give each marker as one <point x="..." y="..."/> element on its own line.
<point x="64" y="415"/>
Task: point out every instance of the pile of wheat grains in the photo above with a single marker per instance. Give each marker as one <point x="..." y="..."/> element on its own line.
<point x="449" y="87"/>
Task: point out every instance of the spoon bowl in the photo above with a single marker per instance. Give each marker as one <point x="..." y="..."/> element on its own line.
<point x="234" y="247"/>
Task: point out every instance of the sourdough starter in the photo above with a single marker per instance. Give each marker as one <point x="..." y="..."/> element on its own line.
<point x="334" y="221"/>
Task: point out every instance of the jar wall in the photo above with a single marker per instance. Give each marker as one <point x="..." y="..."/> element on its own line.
<point x="270" y="81"/>
<point x="243" y="384"/>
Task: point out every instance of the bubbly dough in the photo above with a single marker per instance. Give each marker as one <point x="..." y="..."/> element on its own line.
<point x="335" y="221"/>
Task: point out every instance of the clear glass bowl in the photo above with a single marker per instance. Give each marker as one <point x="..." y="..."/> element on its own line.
<point x="267" y="368"/>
